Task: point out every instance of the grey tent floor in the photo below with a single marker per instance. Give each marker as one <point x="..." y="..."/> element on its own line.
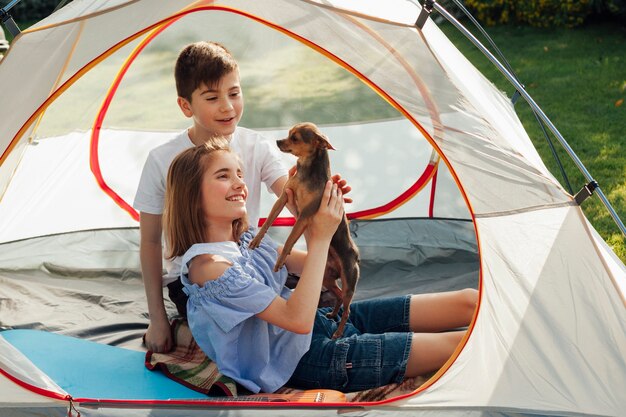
<point x="108" y="305"/>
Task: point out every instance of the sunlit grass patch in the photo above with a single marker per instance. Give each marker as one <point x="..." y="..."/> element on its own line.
<point x="577" y="77"/>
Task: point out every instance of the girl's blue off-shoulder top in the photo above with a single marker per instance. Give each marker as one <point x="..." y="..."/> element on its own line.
<point x="222" y="315"/>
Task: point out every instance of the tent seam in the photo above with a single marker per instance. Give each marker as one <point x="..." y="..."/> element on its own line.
<point x="504" y="213"/>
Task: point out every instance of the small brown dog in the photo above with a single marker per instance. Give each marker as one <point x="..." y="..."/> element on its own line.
<point x="306" y="142"/>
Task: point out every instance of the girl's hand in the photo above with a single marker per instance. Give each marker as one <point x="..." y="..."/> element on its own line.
<point x="324" y="223"/>
<point x="343" y="186"/>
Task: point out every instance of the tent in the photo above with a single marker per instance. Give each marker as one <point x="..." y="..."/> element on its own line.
<point x="449" y="192"/>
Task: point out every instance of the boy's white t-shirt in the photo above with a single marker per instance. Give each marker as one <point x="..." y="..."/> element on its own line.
<point x="262" y="163"/>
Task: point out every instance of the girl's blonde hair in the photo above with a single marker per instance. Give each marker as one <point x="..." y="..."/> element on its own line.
<point x="184" y="222"/>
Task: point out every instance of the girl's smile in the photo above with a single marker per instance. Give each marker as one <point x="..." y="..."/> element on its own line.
<point x="224" y="177"/>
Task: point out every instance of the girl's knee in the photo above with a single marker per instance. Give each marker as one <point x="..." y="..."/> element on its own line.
<point x="429" y="351"/>
<point x="468" y="299"/>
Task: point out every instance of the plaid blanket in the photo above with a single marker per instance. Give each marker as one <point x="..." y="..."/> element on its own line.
<point x="188" y="365"/>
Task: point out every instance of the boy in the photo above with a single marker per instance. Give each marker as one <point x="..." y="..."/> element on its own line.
<point x="209" y="92"/>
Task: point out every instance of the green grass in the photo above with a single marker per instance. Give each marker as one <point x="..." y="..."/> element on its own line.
<point x="577" y="77"/>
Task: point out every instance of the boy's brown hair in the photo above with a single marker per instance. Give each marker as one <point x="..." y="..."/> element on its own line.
<point x="184" y="221"/>
<point x="202" y="63"/>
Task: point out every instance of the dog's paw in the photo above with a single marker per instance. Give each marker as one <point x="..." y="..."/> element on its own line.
<point x="338" y="333"/>
<point x="254" y="243"/>
<point x="280" y="262"/>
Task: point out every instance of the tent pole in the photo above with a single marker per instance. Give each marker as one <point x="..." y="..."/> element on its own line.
<point x="537" y="110"/>
<point x="516" y="94"/>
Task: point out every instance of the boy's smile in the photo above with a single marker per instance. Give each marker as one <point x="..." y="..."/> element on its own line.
<point x="216" y="110"/>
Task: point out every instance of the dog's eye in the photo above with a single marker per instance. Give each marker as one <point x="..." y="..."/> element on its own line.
<point x="294" y="138"/>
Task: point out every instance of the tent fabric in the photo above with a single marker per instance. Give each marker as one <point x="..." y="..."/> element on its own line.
<point x="549" y="333"/>
<point x="31" y="374"/>
<point x="480" y="173"/>
<point x="122" y="153"/>
<point x="18" y="401"/>
<point x="108" y="305"/>
<point x="105" y="303"/>
<point x="534" y="333"/>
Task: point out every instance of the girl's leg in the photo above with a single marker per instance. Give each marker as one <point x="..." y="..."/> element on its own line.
<point x="429" y="351"/>
<point x="438" y="312"/>
<point x="442" y="311"/>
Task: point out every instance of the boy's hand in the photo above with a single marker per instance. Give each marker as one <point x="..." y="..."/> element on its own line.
<point x="342" y="183"/>
<point x="158" y="337"/>
<point x="291" y="202"/>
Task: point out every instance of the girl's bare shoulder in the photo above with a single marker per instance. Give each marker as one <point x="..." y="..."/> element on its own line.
<point x="207" y="267"/>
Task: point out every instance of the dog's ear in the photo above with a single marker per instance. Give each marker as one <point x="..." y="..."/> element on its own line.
<point x="327" y="145"/>
<point x="324" y="143"/>
<point x="312" y="133"/>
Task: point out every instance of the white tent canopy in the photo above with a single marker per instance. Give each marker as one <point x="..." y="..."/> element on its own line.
<point x="436" y="143"/>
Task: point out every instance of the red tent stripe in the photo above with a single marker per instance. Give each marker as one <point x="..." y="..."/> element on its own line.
<point x="429" y="172"/>
<point x="288" y="221"/>
<point x="433" y="188"/>
<point x="94" y="159"/>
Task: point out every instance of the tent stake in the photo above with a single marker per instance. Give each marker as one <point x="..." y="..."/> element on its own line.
<point x="539" y="112"/>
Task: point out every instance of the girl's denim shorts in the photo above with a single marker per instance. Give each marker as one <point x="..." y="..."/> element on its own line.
<point x="373" y="351"/>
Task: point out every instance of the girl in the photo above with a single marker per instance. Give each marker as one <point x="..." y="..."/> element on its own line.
<point x="264" y="335"/>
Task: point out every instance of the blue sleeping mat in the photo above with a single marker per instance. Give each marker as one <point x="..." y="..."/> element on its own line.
<point x="86" y="369"/>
